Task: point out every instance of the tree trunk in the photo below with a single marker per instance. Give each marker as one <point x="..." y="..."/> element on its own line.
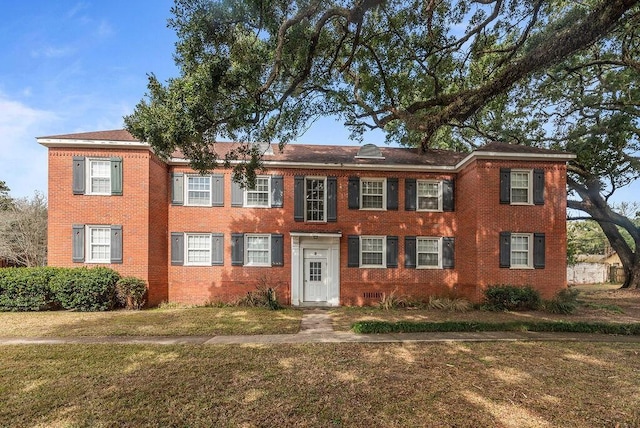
<point x="632" y="275"/>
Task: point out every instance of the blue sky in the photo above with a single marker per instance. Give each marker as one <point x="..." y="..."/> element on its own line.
<point x="75" y="66"/>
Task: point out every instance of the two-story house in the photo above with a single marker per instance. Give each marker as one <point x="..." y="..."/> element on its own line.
<point x="330" y="225"/>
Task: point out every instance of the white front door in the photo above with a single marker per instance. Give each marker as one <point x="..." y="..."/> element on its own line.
<point x="315" y="288"/>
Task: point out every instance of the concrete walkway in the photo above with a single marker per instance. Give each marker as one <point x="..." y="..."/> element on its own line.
<point x="316" y="327"/>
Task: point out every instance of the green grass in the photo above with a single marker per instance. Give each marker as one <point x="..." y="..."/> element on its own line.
<point x="368" y="327"/>
<point x="326" y="385"/>
<point x="196" y="321"/>
<point x="603" y="306"/>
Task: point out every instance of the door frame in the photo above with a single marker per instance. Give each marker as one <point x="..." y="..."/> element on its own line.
<point x="330" y="242"/>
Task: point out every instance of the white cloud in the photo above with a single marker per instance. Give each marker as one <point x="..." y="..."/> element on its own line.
<point x="23" y="164"/>
<point x="104" y="29"/>
<point x="53" y="52"/>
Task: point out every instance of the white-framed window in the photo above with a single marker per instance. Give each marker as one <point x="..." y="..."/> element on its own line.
<point x="521" y="250"/>
<point x="429" y="193"/>
<point x="521" y="186"/>
<point x="198" y="249"/>
<point x="260" y="194"/>
<point x="198" y="190"/>
<point x="98" y="177"/>
<point x="373" y="194"/>
<point x="257" y="249"/>
<point x="373" y="251"/>
<point x="429" y="252"/>
<point x="315" y="199"/>
<point x="98" y="244"/>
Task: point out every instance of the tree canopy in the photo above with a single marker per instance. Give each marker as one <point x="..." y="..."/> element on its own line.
<point x="430" y="73"/>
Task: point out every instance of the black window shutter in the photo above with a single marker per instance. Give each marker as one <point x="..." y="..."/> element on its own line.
<point x="277" y="191"/>
<point x="354" y="193"/>
<point x="448" y="253"/>
<point x="392" y="251"/>
<point x="116" y="244"/>
<point x="237" y="194"/>
<point x="217" y="190"/>
<point x="538" y="251"/>
<point x="217" y="249"/>
<point x="78" y="175"/>
<point x="177" y="249"/>
<point x="448" y="195"/>
<point x="505" y="185"/>
<point x="116" y="176"/>
<point x="392" y="193"/>
<point x="410" y="194"/>
<point x="410" y="251"/>
<point x="505" y="249"/>
<point x="538" y="186"/>
<point x="177" y="188"/>
<point x="332" y="199"/>
<point x="298" y="198"/>
<point x="353" y="256"/>
<point x="237" y="249"/>
<point x="78" y="243"/>
<point x="277" y="250"/>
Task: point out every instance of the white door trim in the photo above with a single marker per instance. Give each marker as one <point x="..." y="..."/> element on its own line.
<point x="318" y="241"/>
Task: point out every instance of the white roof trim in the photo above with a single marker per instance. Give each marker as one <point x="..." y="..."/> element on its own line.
<point x="548" y="157"/>
<point x="63" y="142"/>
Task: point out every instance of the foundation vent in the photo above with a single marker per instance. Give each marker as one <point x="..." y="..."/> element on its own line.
<point x="373" y="295"/>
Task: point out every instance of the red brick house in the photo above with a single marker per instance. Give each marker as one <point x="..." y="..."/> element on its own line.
<point x="331" y="225"/>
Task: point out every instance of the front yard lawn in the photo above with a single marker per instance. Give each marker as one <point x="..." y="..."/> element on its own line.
<point x="523" y="384"/>
<point x="197" y="321"/>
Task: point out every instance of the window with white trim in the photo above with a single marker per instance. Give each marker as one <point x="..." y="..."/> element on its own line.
<point x="429" y="193"/>
<point x="257" y="250"/>
<point x="521" y="250"/>
<point x="260" y="194"/>
<point x="372" y="193"/>
<point x="429" y="252"/>
<point x="99" y="177"/>
<point x="373" y="251"/>
<point x="98" y="244"/>
<point x="198" y="190"/>
<point x="198" y="249"/>
<point x="315" y="199"/>
<point x="521" y="186"/>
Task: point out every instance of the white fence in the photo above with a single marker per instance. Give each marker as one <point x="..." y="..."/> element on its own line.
<point x="587" y="273"/>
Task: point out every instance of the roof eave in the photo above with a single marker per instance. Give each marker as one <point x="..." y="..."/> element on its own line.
<point x="98" y="144"/>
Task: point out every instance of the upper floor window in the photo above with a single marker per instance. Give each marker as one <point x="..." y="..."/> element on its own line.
<point x="259" y="195"/>
<point x="198" y="190"/>
<point x="315" y="199"/>
<point x="97" y="176"/>
<point x="429" y="195"/>
<point x="372" y="194"/>
<point x="521" y="186"/>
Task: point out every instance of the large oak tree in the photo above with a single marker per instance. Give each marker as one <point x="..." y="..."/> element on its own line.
<point x="432" y="73"/>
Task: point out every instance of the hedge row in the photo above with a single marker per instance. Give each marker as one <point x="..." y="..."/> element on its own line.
<point x="49" y="288"/>
<point x="369" y="327"/>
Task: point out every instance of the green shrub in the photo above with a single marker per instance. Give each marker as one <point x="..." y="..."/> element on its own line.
<point x="564" y="302"/>
<point x="511" y="298"/>
<point x="131" y="292"/>
<point x="27" y="289"/>
<point x="86" y="289"/>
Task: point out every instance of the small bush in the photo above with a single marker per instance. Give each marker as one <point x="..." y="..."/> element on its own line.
<point x="27" y="289"/>
<point x="131" y="292"/>
<point x="264" y="296"/>
<point x="511" y="298"/>
<point x="449" y="304"/>
<point x="565" y="302"/>
<point x="86" y="289"/>
<point x="391" y="301"/>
